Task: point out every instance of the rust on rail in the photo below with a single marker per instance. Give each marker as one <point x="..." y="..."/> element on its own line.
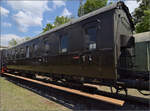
<point x="93" y="96"/>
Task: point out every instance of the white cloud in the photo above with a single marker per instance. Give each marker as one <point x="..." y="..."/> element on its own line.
<point x="5" y="38"/>
<point x="132" y="4"/>
<point x="37" y="32"/>
<point x="5" y="24"/>
<point x="66" y="12"/>
<point x="26" y="19"/>
<point x="58" y="3"/>
<point x="29" y="13"/>
<point x="4" y="11"/>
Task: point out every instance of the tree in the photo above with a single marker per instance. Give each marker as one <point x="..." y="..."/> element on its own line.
<point x="48" y="27"/>
<point x="144" y="25"/>
<point x="13" y="42"/>
<point x="91" y="5"/>
<point x="27" y="38"/>
<point x="141" y="16"/>
<point x="59" y="20"/>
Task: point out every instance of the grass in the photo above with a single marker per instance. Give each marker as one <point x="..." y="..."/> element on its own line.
<point x="15" y="98"/>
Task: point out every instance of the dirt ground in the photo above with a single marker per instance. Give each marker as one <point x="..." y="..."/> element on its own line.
<point x="131" y="92"/>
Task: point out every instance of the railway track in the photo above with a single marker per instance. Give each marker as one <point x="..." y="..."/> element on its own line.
<point x="76" y="99"/>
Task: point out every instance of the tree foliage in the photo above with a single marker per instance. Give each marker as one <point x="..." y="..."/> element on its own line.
<point x="14" y="42"/>
<point x="48" y="27"/>
<point x="27" y="38"/>
<point x="144" y="24"/>
<point x="59" y="20"/>
<point x="91" y="5"/>
<point x="141" y="16"/>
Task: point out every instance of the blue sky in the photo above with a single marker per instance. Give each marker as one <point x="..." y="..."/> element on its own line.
<point x="21" y="19"/>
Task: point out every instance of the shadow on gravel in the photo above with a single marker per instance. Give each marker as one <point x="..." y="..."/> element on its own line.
<point x="73" y="101"/>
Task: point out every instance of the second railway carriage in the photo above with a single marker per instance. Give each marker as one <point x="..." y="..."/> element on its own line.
<point x="142" y="53"/>
<point x="2" y="60"/>
<point x="95" y="47"/>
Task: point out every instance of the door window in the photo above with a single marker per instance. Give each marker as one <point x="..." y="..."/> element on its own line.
<point x="27" y="52"/>
<point x="64" y="44"/>
<point x="91" y="33"/>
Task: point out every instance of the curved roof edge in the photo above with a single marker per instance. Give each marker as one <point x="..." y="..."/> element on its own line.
<point x="142" y="37"/>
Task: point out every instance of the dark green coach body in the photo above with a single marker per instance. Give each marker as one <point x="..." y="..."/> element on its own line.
<point x="142" y="52"/>
<point x="91" y="46"/>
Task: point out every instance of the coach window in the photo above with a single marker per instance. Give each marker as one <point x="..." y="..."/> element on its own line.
<point x="91" y="33"/>
<point x="27" y="52"/>
<point x="10" y="55"/>
<point x="13" y="54"/>
<point x="47" y="46"/>
<point x="35" y="47"/>
<point x="16" y="53"/>
<point x="64" y="43"/>
<point x="22" y="52"/>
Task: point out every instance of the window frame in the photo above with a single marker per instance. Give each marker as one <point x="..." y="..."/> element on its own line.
<point x="66" y="41"/>
<point x="27" y="51"/>
<point x="46" y="43"/>
<point x="89" y="43"/>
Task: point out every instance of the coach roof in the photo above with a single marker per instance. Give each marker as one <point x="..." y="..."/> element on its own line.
<point x="142" y="37"/>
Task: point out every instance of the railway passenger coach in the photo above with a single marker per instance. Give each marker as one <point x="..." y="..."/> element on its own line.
<point x="97" y="47"/>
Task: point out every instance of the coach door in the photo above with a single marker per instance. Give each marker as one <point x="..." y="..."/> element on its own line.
<point x="91" y="59"/>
